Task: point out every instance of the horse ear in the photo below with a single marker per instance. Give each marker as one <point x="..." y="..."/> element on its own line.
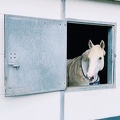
<point x="102" y="44"/>
<point x="90" y="44"/>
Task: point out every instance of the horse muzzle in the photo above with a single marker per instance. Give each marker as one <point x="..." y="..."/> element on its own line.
<point x="90" y="78"/>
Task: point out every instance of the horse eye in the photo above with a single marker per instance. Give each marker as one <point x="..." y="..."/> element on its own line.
<point x="100" y="58"/>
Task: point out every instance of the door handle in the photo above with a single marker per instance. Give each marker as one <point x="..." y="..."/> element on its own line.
<point x="14" y="65"/>
<point x="13" y="60"/>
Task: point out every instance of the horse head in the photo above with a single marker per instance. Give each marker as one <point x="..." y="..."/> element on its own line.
<point x="93" y="60"/>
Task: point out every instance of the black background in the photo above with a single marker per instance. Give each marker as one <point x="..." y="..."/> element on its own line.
<point x="78" y="36"/>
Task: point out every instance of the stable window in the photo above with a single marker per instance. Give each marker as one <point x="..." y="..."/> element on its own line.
<point x="78" y="35"/>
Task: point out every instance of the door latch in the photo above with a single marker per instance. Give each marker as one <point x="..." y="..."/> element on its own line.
<point x="14" y="65"/>
<point x="13" y="61"/>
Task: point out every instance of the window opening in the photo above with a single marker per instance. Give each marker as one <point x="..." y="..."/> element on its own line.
<point x="78" y="36"/>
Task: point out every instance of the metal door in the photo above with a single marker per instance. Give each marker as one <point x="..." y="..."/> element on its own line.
<point x="35" y="55"/>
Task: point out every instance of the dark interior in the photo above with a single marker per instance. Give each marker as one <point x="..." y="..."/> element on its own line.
<point x="78" y="36"/>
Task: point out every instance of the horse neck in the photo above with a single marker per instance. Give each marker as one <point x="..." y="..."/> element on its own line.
<point x="74" y="64"/>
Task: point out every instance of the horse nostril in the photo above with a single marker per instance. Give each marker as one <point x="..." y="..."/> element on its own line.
<point x="90" y="77"/>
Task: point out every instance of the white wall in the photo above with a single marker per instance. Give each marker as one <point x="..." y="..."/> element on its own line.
<point x="1" y="54"/>
<point x="33" y="107"/>
<point x="93" y="10"/>
<point x="94" y="104"/>
<point x="34" y="8"/>
<point x="83" y="105"/>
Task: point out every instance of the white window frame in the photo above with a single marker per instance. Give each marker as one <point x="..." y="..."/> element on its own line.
<point x="111" y="57"/>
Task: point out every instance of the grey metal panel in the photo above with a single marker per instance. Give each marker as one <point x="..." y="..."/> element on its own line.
<point x="35" y="55"/>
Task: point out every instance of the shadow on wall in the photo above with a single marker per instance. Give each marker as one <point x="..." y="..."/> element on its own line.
<point x="112" y="118"/>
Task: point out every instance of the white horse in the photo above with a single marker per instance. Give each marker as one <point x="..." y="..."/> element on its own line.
<point x="83" y="70"/>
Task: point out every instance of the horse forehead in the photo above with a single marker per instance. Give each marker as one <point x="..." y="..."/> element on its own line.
<point x="95" y="51"/>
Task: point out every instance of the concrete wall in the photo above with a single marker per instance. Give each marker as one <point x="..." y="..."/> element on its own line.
<point x="34" y="107"/>
<point x="80" y="105"/>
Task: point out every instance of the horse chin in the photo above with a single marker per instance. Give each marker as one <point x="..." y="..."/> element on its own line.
<point x="94" y="78"/>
